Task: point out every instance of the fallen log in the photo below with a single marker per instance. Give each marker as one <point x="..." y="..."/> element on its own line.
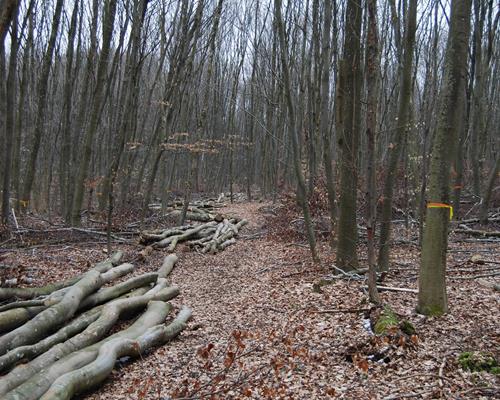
<point x="17" y="314"/>
<point x="223" y="237"/>
<point x="185" y="235"/>
<point x="106" y="277"/>
<point x="477" y="232"/>
<point x="71" y="383"/>
<point x="395" y="289"/>
<point x="94" y="332"/>
<point x="14" y="318"/>
<point x="74" y="327"/>
<point x="60" y="312"/>
<point x="38" y="384"/>
<point x="30" y="351"/>
<point x="491" y="285"/>
<point x="30" y="293"/>
<point x="156" y="236"/>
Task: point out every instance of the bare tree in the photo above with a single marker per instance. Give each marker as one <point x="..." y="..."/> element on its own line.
<point x="301" y="185"/>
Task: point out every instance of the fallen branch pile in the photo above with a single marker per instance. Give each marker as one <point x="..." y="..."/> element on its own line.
<point x="210" y="237"/>
<point x="56" y="341"/>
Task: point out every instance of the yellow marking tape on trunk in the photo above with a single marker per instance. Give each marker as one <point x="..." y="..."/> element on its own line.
<point x="441" y="205"/>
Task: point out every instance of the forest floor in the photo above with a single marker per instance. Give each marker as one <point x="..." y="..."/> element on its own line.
<point x="259" y="330"/>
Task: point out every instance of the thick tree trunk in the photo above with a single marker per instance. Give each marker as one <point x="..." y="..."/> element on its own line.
<point x="432" y="298"/>
<point x="348" y="139"/>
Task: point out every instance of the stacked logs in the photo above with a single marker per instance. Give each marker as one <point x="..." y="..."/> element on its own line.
<point x="56" y="340"/>
<point x="210" y="237"/>
<point x="200" y="211"/>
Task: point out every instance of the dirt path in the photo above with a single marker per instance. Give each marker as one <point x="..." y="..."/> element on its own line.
<point x="256" y="332"/>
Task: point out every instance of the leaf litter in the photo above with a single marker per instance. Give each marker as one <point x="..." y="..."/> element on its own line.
<point x="260" y="331"/>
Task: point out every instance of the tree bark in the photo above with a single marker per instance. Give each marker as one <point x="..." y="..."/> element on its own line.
<point x="372" y="73"/>
<point x="432" y="298"/>
<point x="399" y="138"/>
<point x="99" y="93"/>
<point x="301" y="185"/>
<point x="36" y="386"/>
<point x="71" y="383"/>
<point x="347" y="257"/>
<point x="41" y="105"/>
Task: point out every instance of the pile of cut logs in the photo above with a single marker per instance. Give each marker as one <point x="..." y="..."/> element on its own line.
<point x="210" y="237"/>
<point x="56" y="339"/>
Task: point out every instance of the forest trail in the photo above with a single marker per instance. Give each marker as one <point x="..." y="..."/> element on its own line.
<point x="259" y="330"/>
<point x="257" y="333"/>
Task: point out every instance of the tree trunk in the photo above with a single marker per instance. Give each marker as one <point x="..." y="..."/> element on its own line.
<point x="347" y="257"/>
<point x="301" y="185"/>
<point x="9" y="120"/>
<point x="99" y="93"/>
<point x="483" y="212"/>
<point x="432" y="298"/>
<point x="39" y="383"/>
<point x="324" y="119"/>
<point x="372" y="73"/>
<point x="71" y="383"/>
<point x="8" y="9"/>
<point x="41" y="105"/>
<point x="399" y="138"/>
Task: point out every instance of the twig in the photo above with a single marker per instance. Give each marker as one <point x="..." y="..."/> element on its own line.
<point x="476" y="276"/>
<point x="343" y="310"/>
<point x="408" y="395"/>
<point x="441" y="373"/>
<point x="395" y="289"/>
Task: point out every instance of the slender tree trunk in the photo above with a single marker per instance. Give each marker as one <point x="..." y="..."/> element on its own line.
<point x="495" y="172"/>
<point x="324" y="118"/>
<point x="99" y="92"/>
<point x="399" y="138"/>
<point x="478" y="123"/>
<point x="41" y="105"/>
<point x="8" y="10"/>
<point x="372" y="73"/>
<point x="9" y="120"/>
<point x="65" y="157"/>
<point x="130" y="89"/>
<point x="301" y="185"/>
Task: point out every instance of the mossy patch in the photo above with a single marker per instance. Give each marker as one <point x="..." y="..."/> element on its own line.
<point x="407" y="327"/>
<point x="477" y="361"/>
<point x="388" y="320"/>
